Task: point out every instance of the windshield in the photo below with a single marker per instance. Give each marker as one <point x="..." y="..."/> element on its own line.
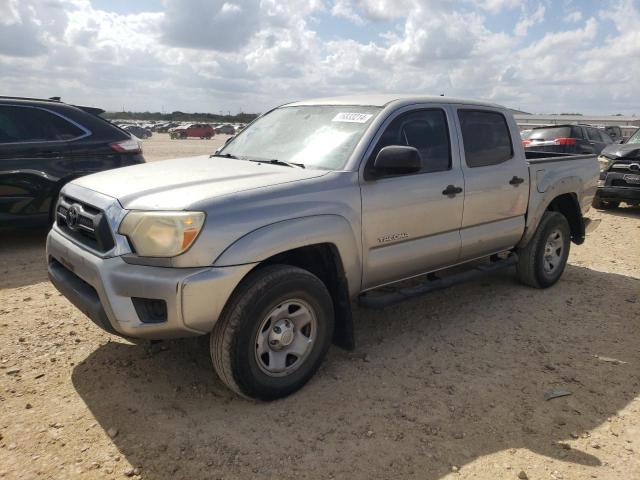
<point x="635" y="138"/>
<point x="314" y="136"/>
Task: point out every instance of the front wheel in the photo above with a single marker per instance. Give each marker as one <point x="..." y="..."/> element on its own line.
<point x="542" y="261"/>
<point x="274" y="332"/>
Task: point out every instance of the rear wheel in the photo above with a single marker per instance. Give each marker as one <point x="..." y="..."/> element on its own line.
<point x="274" y="332"/>
<point x="543" y="260"/>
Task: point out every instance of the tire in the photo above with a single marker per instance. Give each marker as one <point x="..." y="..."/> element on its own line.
<point x="604" y="205"/>
<point x="241" y="341"/>
<point x="541" y="263"/>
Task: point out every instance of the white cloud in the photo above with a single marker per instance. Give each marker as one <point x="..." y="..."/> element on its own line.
<point x="210" y="24"/>
<point x="496" y="6"/>
<point x="253" y="54"/>
<point x="574" y="16"/>
<point x="528" y="20"/>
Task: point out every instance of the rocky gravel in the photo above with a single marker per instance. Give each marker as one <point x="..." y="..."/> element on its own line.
<point x="451" y="385"/>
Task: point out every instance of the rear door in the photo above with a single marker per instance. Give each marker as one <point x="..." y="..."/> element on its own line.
<point x="606" y="139"/>
<point x="409" y="224"/>
<point x="34" y="156"/>
<point x="496" y="182"/>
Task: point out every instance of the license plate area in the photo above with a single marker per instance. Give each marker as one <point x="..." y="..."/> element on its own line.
<point x="635" y="179"/>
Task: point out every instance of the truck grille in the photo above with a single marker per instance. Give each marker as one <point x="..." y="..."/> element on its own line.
<point x="85" y="224"/>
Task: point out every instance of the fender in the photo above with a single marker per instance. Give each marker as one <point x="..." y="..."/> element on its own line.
<point x="547" y="188"/>
<point x="279" y="237"/>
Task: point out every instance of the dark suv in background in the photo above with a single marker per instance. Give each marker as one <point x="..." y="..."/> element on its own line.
<point x="45" y="144"/>
<point x="619" y="174"/>
<point x="567" y="139"/>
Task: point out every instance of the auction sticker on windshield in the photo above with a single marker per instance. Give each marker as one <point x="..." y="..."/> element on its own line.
<point x="352" y="117"/>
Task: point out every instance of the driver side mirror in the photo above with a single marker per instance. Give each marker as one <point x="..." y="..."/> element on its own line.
<point x="397" y="160"/>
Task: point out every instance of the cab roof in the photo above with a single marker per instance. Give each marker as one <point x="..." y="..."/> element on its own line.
<point x="382" y="100"/>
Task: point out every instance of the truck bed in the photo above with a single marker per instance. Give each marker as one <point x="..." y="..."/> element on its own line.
<point x="535" y="156"/>
<point x="551" y="171"/>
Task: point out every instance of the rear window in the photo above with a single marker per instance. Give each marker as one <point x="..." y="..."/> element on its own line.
<point x="27" y="124"/>
<point x="552" y="133"/>
<point x="486" y="138"/>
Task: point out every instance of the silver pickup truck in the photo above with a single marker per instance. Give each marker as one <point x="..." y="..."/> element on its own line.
<point x="266" y="244"/>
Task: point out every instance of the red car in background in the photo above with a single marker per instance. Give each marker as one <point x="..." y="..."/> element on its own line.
<point x="200" y="130"/>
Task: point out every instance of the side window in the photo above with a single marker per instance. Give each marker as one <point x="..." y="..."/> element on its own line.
<point x="426" y="131"/>
<point x="486" y="138"/>
<point x="605" y="137"/>
<point x="20" y="124"/>
<point x="593" y="134"/>
<point x="576" y="132"/>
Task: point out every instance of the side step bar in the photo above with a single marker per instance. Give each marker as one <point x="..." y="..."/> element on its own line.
<point x="378" y="299"/>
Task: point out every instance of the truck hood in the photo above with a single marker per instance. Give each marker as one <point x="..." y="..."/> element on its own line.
<point x="628" y="150"/>
<point x="177" y="184"/>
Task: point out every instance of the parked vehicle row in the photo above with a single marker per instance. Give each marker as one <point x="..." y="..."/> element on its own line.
<point x="201" y="130"/>
<point x="44" y="144"/>
<point x="139" y="132"/>
<point x="264" y="245"/>
<point x="146" y="130"/>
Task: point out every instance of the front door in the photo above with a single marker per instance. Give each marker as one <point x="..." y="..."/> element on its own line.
<point x="409" y="225"/>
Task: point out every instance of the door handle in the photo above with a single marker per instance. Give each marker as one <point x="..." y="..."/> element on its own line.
<point x="451" y="190"/>
<point x="515" y="181"/>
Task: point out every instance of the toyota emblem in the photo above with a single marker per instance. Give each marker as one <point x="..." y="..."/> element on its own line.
<point x="635" y="167"/>
<point x="72" y="217"/>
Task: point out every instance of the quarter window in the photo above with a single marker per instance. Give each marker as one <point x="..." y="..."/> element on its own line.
<point x="22" y="124"/>
<point x="486" y="138"/>
<point x="426" y="131"/>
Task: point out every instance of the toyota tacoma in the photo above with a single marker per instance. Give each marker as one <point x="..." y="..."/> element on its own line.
<point x="266" y="245"/>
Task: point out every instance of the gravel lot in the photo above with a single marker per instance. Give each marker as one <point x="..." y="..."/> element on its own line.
<point x="450" y="385"/>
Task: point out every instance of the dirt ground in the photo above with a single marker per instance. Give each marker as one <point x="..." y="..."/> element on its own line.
<point x="161" y="147"/>
<point x="450" y="385"/>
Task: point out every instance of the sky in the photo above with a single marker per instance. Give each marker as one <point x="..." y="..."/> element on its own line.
<point x="541" y="56"/>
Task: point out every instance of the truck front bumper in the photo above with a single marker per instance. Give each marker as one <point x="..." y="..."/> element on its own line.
<point x="619" y="194"/>
<point x="140" y="301"/>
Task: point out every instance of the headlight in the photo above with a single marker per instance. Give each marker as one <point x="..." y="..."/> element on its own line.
<point x="604" y="162"/>
<point x="161" y="234"/>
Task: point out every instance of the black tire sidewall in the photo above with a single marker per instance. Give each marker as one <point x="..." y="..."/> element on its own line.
<point x="558" y="222"/>
<point x="246" y="372"/>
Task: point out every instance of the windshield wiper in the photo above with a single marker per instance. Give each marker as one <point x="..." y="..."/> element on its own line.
<point x="275" y="161"/>
<point x="225" y="155"/>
